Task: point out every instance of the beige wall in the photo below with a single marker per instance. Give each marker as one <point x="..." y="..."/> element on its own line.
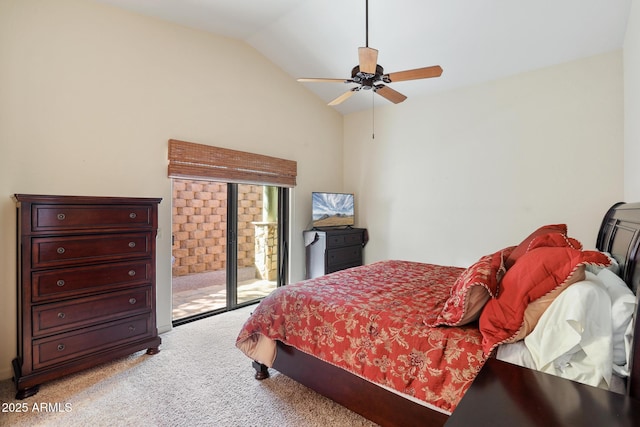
<point x="91" y="94"/>
<point x="454" y="176"/>
<point x="632" y="105"/>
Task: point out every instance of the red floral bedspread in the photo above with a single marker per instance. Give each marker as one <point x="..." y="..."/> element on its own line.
<point x="370" y="320"/>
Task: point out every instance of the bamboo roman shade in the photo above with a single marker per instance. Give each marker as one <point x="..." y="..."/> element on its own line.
<point x="190" y="160"/>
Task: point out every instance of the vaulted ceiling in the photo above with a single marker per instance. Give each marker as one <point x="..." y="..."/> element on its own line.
<point x="474" y="41"/>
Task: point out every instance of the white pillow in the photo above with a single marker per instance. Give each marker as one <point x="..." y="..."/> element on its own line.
<point x="516" y="353"/>
<point x="573" y="338"/>
<point x="623" y="305"/>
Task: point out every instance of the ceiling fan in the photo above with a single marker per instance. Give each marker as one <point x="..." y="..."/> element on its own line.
<point x="368" y="75"/>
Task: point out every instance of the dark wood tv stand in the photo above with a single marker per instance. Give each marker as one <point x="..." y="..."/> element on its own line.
<point x="333" y="249"/>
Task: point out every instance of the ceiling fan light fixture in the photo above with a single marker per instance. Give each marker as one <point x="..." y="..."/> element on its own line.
<point x="368" y="74"/>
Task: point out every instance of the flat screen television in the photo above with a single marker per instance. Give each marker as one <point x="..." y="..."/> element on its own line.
<point x="332" y="209"/>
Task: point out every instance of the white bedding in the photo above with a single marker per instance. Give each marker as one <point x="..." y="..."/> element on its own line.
<point x="574" y="340"/>
<point x="575" y="336"/>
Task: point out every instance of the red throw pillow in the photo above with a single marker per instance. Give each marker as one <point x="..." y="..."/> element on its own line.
<point x="472" y="290"/>
<point x="537" y="272"/>
<point x="521" y="249"/>
<point x="554" y="240"/>
<point x="536" y="308"/>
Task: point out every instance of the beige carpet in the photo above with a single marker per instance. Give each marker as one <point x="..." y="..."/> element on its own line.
<point x="199" y="378"/>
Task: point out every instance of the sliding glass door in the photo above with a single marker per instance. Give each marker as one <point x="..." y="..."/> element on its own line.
<point x="229" y="245"/>
<point x="253" y="243"/>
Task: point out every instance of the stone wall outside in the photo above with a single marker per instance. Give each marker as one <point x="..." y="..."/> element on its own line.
<point x="200" y="221"/>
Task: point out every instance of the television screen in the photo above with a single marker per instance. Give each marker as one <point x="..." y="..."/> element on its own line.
<point x="332" y="209"/>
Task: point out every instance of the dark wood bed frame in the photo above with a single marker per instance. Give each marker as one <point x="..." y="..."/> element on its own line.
<point x="619" y="235"/>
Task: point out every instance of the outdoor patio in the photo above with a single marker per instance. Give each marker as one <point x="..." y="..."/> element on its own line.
<point x="202" y="292"/>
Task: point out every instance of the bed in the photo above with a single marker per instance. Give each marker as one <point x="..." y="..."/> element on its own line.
<point x="400" y="342"/>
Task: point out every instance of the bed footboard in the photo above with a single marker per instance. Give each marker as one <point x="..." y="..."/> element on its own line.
<point x="369" y="400"/>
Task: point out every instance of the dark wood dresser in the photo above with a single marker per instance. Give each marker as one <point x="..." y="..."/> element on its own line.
<point x="86" y="284"/>
<point x="329" y="250"/>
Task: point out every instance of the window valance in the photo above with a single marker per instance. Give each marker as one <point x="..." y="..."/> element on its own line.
<point x="198" y="161"/>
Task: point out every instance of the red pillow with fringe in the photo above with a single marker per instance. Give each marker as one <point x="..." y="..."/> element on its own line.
<point x="554" y="240"/>
<point x="472" y="290"/>
<point x="522" y="248"/>
<point x="538" y="272"/>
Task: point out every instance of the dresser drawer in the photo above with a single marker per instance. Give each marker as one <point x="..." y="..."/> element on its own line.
<point x="69" y="282"/>
<point x="341" y="258"/>
<point x="60" y="251"/>
<point x="77" y="217"/>
<point x="344" y="239"/>
<point x="64" y="347"/>
<point x="81" y="312"/>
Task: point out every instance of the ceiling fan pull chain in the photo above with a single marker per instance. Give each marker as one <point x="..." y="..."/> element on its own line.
<point x="373" y="116"/>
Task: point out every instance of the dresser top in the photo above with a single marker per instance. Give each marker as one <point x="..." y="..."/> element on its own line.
<point x="79" y="200"/>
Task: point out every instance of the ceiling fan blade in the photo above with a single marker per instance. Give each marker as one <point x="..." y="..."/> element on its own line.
<point x="390" y="94"/>
<point x="320" y="80"/>
<point x="368" y="59"/>
<point x="418" y="73"/>
<point x="343" y="97"/>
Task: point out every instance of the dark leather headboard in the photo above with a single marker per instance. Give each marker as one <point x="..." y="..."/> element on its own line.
<point x="620" y="236"/>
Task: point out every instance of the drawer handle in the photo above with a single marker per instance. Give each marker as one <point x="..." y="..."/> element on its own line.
<point x="132" y="215"/>
<point x="61" y="216"/>
<point x="132" y="273"/>
<point x="61" y="347"/>
<point x="61" y="315"/>
<point x="60" y="283"/>
<point x="132" y="328"/>
<point x="132" y="301"/>
<point x="132" y="244"/>
<point x="60" y="250"/>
